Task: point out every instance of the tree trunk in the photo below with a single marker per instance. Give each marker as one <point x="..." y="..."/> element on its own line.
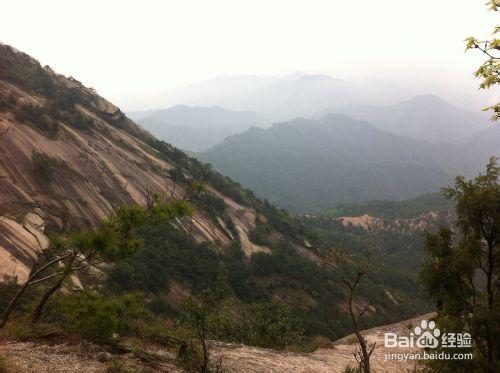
<point x="41" y="305"/>
<point x="489" y="288"/>
<point x="15" y="299"/>
<point x="45" y="298"/>
<point x="365" y="358"/>
<point x="12" y="304"/>
<point x="201" y="335"/>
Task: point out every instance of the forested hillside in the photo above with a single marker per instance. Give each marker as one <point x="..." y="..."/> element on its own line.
<point x="311" y="166"/>
<point x="405" y="209"/>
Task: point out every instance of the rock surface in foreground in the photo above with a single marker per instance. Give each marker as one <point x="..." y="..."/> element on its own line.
<point x="41" y="357"/>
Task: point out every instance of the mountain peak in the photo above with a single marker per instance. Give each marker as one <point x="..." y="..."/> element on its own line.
<point x="428" y="99"/>
<point x="294" y="76"/>
<point x="318" y="78"/>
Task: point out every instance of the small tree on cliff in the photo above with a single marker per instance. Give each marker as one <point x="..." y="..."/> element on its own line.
<point x="112" y="241"/>
<point x="363" y="355"/>
<point x="333" y="259"/>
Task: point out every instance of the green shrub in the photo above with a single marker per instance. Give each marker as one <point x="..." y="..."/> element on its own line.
<point x="22" y="330"/>
<point x="116" y="366"/>
<point x="39" y="117"/>
<point x="48" y="126"/>
<point x="43" y="166"/>
<point x="95" y="316"/>
<point x="191" y="358"/>
<point x="211" y="204"/>
<point x="259" y="235"/>
<point x="4" y="365"/>
<point x="231" y="226"/>
<point x="271" y="324"/>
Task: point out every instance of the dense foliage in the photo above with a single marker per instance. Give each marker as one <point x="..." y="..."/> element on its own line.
<point x="309" y="166"/>
<point x="266" y="324"/>
<point x="95" y="316"/>
<point x="406" y="209"/>
<point x="313" y="291"/>
<point x="462" y="275"/>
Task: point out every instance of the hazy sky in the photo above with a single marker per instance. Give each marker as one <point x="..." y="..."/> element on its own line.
<point x="126" y="48"/>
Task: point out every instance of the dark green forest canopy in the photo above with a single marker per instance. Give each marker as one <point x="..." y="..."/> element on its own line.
<point x="406" y="209"/>
<point x="309" y="166"/>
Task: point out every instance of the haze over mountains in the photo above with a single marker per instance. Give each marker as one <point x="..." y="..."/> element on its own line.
<point x="309" y="166"/>
<point x="261" y="94"/>
<point x="207" y="112"/>
<point x="425" y="117"/>
<point x="404" y="149"/>
<point x="196" y="128"/>
<point x="275" y="98"/>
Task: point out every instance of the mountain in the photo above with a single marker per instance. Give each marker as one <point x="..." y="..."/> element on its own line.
<point x="68" y="157"/>
<point x="310" y="166"/>
<point x="205" y="93"/>
<point x="197" y="128"/>
<point x="274" y="98"/>
<point x="300" y="97"/>
<point x="282" y="98"/>
<point x="425" y="117"/>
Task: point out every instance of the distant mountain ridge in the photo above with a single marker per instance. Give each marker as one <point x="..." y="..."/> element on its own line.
<point x="274" y="98"/>
<point x="294" y="95"/>
<point x="424" y="117"/>
<point x="204" y="93"/>
<point x="196" y="128"/>
<point x="310" y="166"/>
<point x="299" y="94"/>
<point x="302" y="97"/>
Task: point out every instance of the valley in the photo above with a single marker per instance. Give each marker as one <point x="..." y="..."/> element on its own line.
<point x="70" y="157"/>
<point x="184" y="203"/>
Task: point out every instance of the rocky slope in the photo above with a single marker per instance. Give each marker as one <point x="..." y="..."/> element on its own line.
<point x="424" y="117"/>
<point x="68" y="156"/>
<point x="428" y="221"/>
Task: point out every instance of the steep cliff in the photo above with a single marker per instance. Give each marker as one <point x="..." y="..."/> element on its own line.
<point x="68" y="156"/>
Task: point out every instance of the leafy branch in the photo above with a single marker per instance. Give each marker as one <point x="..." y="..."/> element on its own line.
<point x="489" y="71"/>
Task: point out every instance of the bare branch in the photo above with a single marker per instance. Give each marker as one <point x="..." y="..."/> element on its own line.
<point x="373" y="348"/>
